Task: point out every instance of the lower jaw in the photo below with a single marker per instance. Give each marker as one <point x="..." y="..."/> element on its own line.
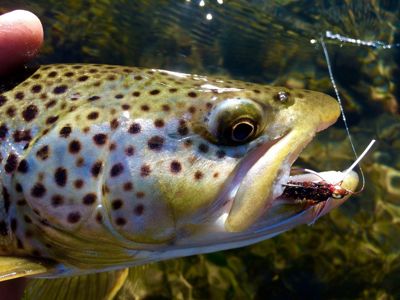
<point x="262" y="177"/>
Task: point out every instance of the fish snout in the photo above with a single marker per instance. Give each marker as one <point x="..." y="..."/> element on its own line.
<point x="328" y="110"/>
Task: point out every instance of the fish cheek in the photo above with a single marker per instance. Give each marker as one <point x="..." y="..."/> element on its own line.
<point x="140" y="215"/>
<point x="132" y="202"/>
<point x="195" y="188"/>
<point x="56" y="182"/>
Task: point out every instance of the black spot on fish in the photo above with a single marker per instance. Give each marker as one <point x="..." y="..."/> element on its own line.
<point x="38" y="190"/>
<point x="57" y="200"/>
<point x="145" y="171"/>
<point x="3" y="131"/>
<point x="139" y="209"/>
<point x="74" y="146"/>
<point x="175" y="166"/>
<point x="155" y="143"/>
<point x="134" y="128"/>
<point x="60" y="176"/>
<point x="23" y="166"/>
<point x="30" y="112"/>
<point x="116" y="204"/>
<point x="65" y="131"/>
<point x="3" y="100"/>
<point x="89" y="199"/>
<point x="120" y="221"/>
<point x="96" y="168"/>
<point x="74" y="217"/>
<point x="43" y="153"/>
<point x="37" y="88"/>
<point x="100" y="138"/>
<point x="116" y="170"/>
<point x="11" y="163"/>
<point x="60" y="89"/>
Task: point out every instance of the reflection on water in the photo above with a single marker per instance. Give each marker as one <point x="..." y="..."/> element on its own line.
<point x="353" y="252"/>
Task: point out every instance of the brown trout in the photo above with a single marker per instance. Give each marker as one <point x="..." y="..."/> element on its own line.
<point x="106" y="167"/>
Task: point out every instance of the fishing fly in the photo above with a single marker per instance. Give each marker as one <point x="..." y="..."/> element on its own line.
<point x="316" y="189"/>
<point x="319" y="189"/>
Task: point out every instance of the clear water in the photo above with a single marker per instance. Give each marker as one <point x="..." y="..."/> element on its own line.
<point x="353" y="253"/>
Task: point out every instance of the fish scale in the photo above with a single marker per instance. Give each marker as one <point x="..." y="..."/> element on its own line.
<point x="107" y="166"/>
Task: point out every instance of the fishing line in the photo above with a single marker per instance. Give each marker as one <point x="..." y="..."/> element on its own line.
<point x="359" y="42"/>
<point x="328" y="62"/>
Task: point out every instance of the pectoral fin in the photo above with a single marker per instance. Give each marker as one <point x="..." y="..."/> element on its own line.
<point x="15" y="267"/>
<point x="98" y="286"/>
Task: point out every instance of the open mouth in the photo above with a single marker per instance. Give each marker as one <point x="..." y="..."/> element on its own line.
<point x="263" y="193"/>
<point x="315" y="192"/>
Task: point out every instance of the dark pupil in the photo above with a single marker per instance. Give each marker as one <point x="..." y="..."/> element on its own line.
<point x="242" y="131"/>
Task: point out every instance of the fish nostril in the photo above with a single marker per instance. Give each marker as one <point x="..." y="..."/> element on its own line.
<point x="282" y="96"/>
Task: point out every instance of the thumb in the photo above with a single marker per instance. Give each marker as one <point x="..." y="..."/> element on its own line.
<point x="21" y="35"/>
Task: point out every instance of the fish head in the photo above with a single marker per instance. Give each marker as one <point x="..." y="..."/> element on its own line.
<point x="242" y="146"/>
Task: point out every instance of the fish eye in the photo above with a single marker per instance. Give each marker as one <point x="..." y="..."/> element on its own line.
<point x="242" y="130"/>
<point x="235" y="121"/>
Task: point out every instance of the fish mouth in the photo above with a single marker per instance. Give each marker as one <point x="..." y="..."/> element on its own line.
<point x="260" y="178"/>
<point x="347" y="181"/>
<point x="258" y="200"/>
